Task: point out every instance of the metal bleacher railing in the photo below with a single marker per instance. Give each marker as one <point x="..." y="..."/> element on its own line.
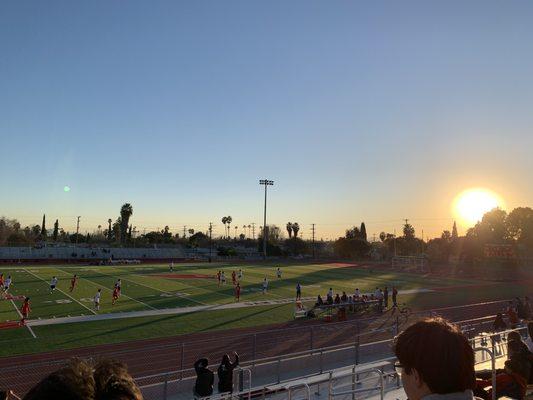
<point x="319" y="366"/>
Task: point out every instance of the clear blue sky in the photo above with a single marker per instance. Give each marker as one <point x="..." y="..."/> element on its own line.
<point x="371" y="111"/>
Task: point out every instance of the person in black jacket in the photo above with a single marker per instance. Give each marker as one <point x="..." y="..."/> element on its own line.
<point x="225" y="373"/>
<point x="204" y="378"/>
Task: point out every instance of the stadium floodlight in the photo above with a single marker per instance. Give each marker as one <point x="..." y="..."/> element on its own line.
<point x="266" y="183"/>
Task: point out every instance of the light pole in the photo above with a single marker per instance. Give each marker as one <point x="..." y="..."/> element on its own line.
<point x="266" y="183"/>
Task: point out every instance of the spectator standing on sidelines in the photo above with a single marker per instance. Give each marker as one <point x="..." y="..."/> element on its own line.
<point x="298" y="291"/>
<point x="499" y="324"/>
<point x="225" y="373"/>
<point x="435" y="361"/>
<point x="204" y="378"/>
<point x="329" y="296"/>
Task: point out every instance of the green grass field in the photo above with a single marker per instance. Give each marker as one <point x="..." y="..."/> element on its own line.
<point x="143" y="289"/>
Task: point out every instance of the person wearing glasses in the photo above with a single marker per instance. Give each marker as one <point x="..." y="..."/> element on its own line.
<point x="435" y="361"/>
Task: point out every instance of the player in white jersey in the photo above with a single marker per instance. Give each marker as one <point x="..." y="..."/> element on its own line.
<point x="171" y="266"/>
<point x="278" y="273"/>
<point x="53" y="284"/>
<point x="97" y="299"/>
<point x="223" y="278"/>
<point x="7" y="283"/>
<point x="265" y="285"/>
<point x="239" y="274"/>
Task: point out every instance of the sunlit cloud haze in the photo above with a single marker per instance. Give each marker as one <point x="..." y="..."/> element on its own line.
<point x="370" y="112"/>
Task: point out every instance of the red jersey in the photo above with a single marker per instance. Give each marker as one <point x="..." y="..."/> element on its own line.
<point x="115" y="292"/>
<point x="26" y="308"/>
<point x="73" y="281"/>
<point x="1" y="281"/>
<point x="237" y="291"/>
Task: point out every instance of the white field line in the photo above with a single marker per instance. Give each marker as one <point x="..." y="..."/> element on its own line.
<point x="66" y="294"/>
<point x="153" y="288"/>
<point x="96" y="284"/>
<point x="20" y="315"/>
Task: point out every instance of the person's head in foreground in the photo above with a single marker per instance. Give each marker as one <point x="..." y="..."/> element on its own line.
<point x="434" y="357"/>
<point x="80" y="380"/>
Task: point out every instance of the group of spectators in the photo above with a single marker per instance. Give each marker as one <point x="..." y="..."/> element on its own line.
<point x="380" y="297"/>
<point x="205" y="378"/>
<point x="82" y="380"/>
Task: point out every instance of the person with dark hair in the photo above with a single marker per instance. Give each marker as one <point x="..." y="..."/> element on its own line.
<point x="394" y="296"/>
<point x="225" y="373"/>
<point x="204" y="378"/>
<point x="435" y="358"/>
<point x="518" y="351"/>
<point x="113" y="382"/>
<point x="79" y="380"/>
<point x="319" y="301"/>
<point x="386" y="297"/>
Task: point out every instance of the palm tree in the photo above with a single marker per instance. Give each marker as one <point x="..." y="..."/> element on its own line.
<point x="224" y="221"/>
<point x="109" y="230"/>
<point x="244" y="228"/>
<point x="235" y="237"/>
<point x="191" y="232"/>
<point x="249" y="232"/>
<point x="295" y="228"/>
<point x="229" y="219"/>
<point x="126" y="211"/>
<point x="289" y="229"/>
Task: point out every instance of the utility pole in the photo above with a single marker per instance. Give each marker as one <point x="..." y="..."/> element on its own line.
<point x="253" y="230"/>
<point x="313" y="230"/>
<point x="266" y="183"/>
<point x="394" y="242"/>
<point x="77" y="229"/>
<point x="184" y="230"/>
<point x="210" y="240"/>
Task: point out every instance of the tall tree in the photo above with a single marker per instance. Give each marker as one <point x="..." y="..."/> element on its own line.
<point x="109" y="229"/>
<point x="408" y="231"/>
<point x="382" y="236"/>
<point x="295" y="229"/>
<point x="225" y="221"/>
<point x="43" y="227"/>
<point x="228" y="220"/>
<point x="56" y="230"/>
<point x="126" y="211"/>
<point x="454" y="231"/>
<point x="289" y="229"/>
<point x="362" y="231"/>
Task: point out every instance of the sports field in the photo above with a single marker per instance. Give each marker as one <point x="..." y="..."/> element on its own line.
<point x="156" y="302"/>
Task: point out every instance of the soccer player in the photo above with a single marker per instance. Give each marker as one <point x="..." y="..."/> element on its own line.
<point x="25" y="310"/>
<point x="118" y="285"/>
<point x="265" y="285"/>
<point x="1" y="281"/>
<point x="223" y="278"/>
<point x="7" y="283"/>
<point x="73" y="282"/>
<point x="233" y="277"/>
<point x="278" y="273"/>
<point x="171" y="266"/>
<point x="240" y="274"/>
<point x="238" y="292"/>
<point x="218" y="278"/>
<point x="115" y="295"/>
<point x="97" y="299"/>
<point x="298" y="291"/>
<point x="53" y="284"/>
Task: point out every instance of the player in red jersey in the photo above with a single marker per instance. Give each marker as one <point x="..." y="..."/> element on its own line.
<point x="116" y="292"/>
<point x="238" y="292"/>
<point x="218" y="278"/>
<point x="25" y="310"/>
<point x="234" y="277"/>
<point x="73" y="282"/>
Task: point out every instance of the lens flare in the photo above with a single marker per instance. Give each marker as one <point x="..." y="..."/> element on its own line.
<point x="470" y="205"/>
<point x="66" y="189"/>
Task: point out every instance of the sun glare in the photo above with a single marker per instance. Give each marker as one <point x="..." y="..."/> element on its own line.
<point x="470" y="205"/>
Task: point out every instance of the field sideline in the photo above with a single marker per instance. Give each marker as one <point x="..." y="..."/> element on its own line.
<point x="152" y="288"/>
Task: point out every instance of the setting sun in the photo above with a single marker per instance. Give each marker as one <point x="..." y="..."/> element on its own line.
<point x="470" y="205"/>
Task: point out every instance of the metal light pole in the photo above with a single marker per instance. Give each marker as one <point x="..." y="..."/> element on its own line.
<point x="77" y="230"/>
<point x="266" y="183"/>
